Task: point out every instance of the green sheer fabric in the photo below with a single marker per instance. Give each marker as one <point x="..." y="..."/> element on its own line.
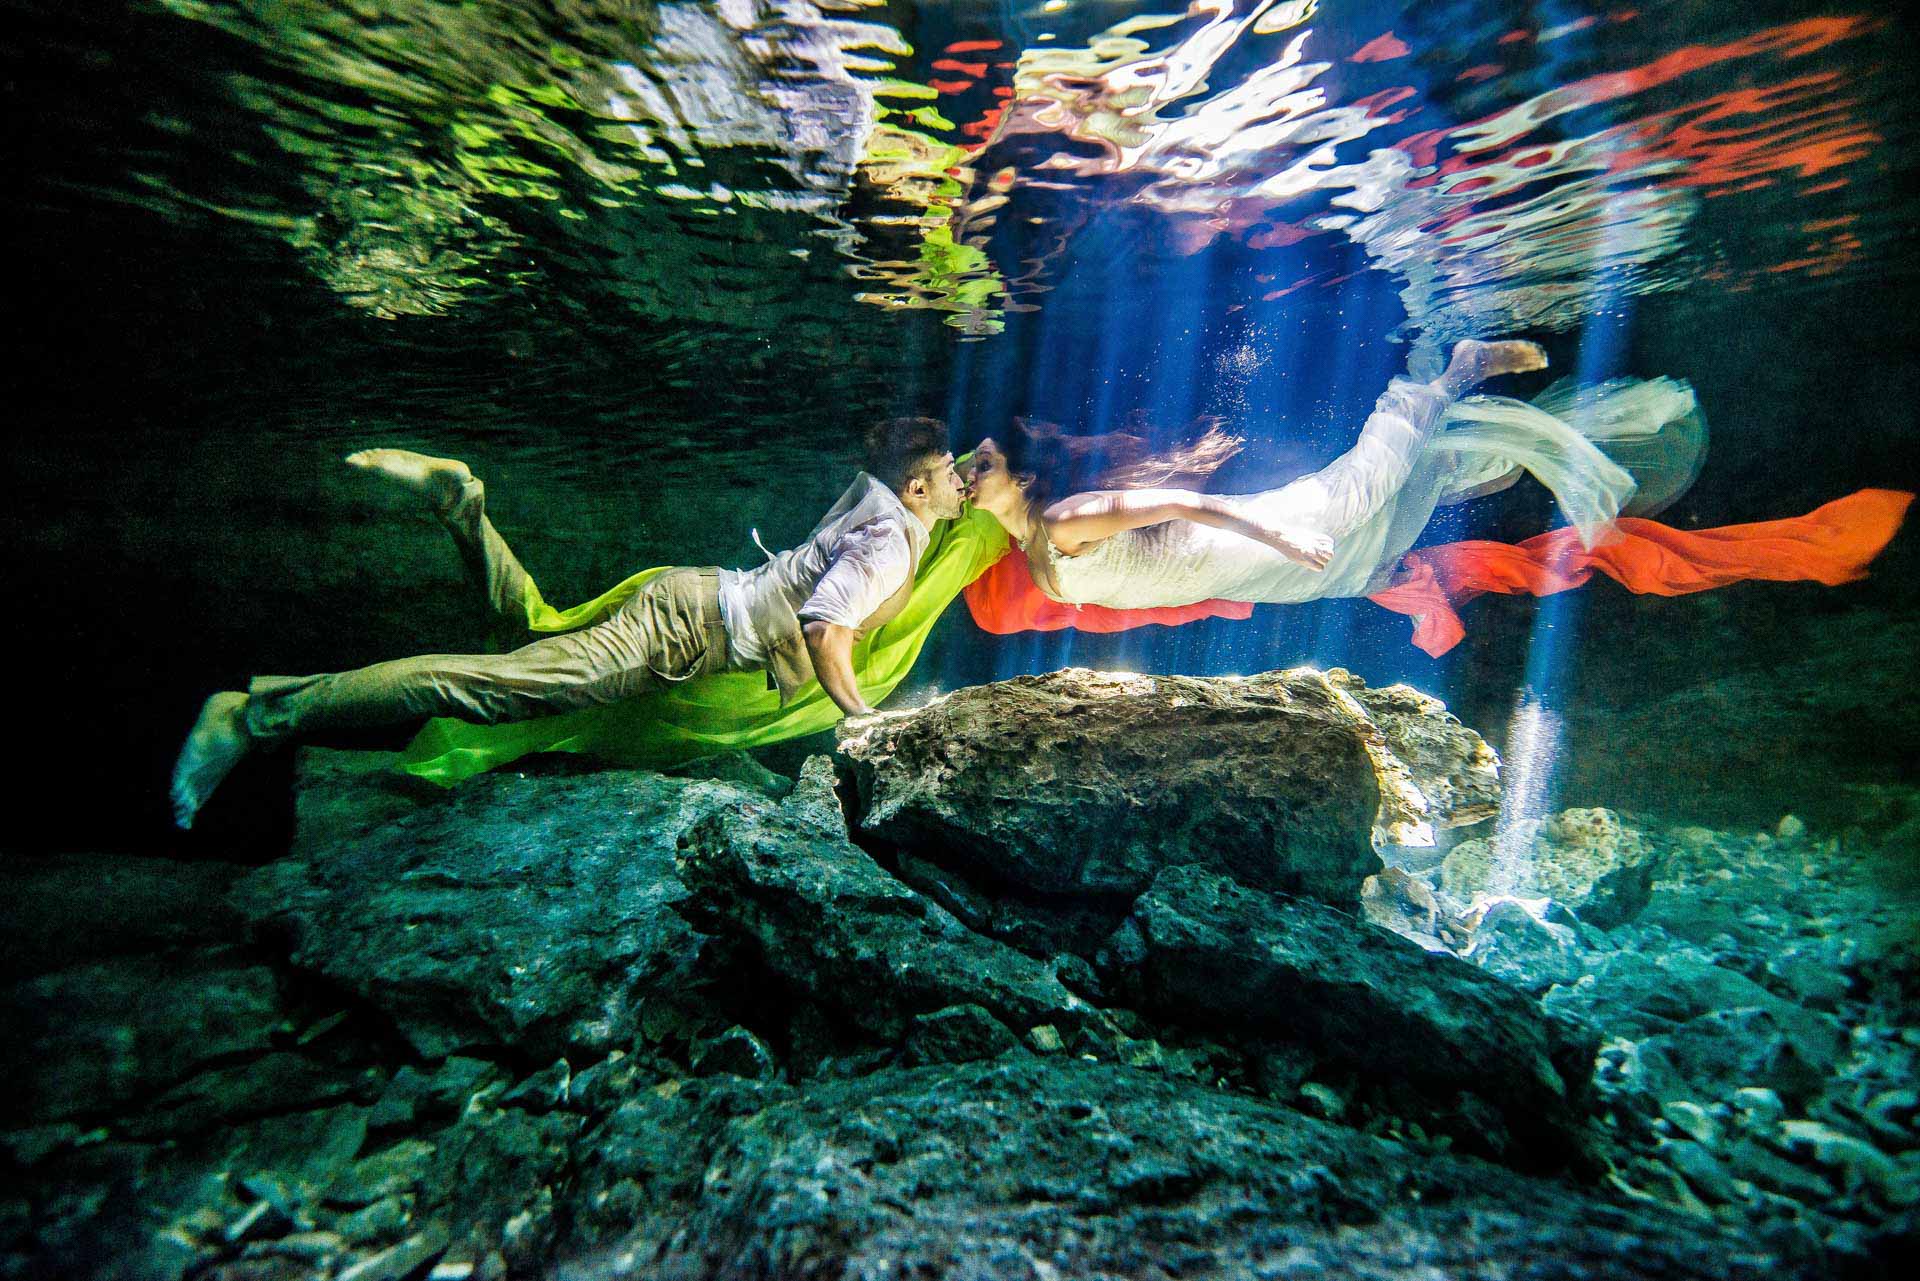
<point x="714" y="713"/>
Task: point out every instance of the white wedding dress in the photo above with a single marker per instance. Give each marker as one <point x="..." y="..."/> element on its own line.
<point x="1625" y="447"/>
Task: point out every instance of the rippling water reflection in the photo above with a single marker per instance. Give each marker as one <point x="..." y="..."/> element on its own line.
<point x="1568" y="167"/>
<point x="445" y="149"/>
<point x="704" y="164"/>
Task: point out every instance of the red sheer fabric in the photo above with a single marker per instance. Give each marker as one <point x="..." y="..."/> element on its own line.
<point x="1005" y="600"/>
<point x="1832" y="544"/>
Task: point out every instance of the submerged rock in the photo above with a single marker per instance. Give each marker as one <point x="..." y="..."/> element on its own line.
<point x="1199" y="949"/>
<point x="958" y="1034"/>
<point x="526" y="911"/>
<point x="98" y="1037"/>
<point x="1511" y="943"/>
<point x="1088" y="783"/>
<point x="735" y="767"/>
<point x="1455" y="770"/>
<point x="1405" y="904"/>
<point x="737" y="1052"/>
<point x="821" y="914"/>
<point x="1586" y="860"/>
<point x="625" y="1025"/>
<point x="1699" y="1022"/>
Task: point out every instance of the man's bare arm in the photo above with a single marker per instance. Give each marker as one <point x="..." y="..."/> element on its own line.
<point x="1075" y="522"/>
<point x="831" y="647"/>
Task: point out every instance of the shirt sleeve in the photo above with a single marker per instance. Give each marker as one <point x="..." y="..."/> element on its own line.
<point x="870" y="563"/>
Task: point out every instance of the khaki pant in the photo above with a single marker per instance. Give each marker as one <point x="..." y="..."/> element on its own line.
<point x="667" y="632"/>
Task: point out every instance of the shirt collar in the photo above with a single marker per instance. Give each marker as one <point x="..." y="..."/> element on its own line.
<point x="875" y="498"/>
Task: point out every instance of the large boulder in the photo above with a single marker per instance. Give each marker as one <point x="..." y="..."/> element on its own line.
<point x="1454" y="770"/>
<point x="822" y="914"/>
<point x="534" y="912"/>
<point x="1088" y="783"/>
<point x="1202" y="951"/>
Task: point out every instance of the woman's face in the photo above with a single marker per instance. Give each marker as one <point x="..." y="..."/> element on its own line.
<point x="990" y="485"/>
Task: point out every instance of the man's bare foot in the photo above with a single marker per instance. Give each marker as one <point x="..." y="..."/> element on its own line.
<point x="215" y="744"/>
<point x="1474" y="361"/>
<point x="438" y="480"/>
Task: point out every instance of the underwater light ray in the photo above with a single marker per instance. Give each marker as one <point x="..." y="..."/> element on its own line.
<point x="1536" y="729"/>
<point x="1178" y="376"/>
<point x="1528" y="768"/>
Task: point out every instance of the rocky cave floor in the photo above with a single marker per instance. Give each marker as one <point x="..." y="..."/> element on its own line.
<point x="1066" y="977"/>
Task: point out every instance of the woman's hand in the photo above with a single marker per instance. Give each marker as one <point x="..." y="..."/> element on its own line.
<point x="1308" y="547"/>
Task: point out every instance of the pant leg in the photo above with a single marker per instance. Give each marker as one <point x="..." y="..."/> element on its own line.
<point x="669" y="631"/>
<point x="1353" y="488"/>
<point x="489" y="561"/>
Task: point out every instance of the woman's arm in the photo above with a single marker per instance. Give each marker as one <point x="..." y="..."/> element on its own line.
<point x="1075" y="523"/>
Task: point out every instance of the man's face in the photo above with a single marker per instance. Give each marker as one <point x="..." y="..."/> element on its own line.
<point x="942" y="487"/>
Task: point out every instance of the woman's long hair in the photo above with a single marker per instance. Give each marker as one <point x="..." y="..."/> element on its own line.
<point x="1062" y="463"/>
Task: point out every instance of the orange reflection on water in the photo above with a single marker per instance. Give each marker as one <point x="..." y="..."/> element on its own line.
<point x="1767" y="135"/>
<point x="1791" y="40"/>
<point x="1505" y="195"/>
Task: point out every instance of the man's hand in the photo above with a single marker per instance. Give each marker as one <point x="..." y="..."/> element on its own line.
<point x="831" y="647"/>
<point x="860" y="722"/>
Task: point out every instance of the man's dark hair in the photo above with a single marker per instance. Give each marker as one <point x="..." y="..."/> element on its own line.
<point x="898" y="449"/>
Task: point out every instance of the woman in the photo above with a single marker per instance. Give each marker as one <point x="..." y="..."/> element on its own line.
<point x="1612" y="454"/>
<point x="1339" y="530"/>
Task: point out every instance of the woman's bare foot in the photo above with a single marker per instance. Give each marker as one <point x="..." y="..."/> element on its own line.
<point x="438" y="480"/>
<point x="1474" y="362"/>
<point x="215" y="744"/>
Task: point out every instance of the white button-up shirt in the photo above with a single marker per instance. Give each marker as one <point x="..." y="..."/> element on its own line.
<point x="861" y="553"/>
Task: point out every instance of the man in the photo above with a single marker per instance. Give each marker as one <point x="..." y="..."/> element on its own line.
<point x="795" y="617"/>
